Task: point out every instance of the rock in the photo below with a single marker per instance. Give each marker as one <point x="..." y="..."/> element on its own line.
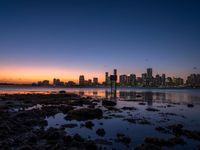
<point x="65" y="109"/>
<point x="163" y="142"/>
<point x="129" y="108"/>
<point x="62" y="92"/>
<point x="152" y="109"/>
<point x="137" y="120"/>
<point x="84" y="114"/>
<point x="147" y="147"/>
<point x="89" y="124"/>
<point x="90" y="145"/>
<point x="138" y="96"/>
<point x="123" y="139"/>
<point x="103" y="142"/>
<point x="25" y="147"/>
<point x="100" y="132"/>
<point x="141" y="103"/>
<point x="161" y="129"/>
<point x="190" y="105"/>
<point x="108" y="103"/>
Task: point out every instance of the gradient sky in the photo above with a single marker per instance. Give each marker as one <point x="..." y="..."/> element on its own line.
<point x="47" y="39"/>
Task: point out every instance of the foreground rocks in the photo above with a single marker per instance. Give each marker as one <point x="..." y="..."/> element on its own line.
<point x="84" y="114"/>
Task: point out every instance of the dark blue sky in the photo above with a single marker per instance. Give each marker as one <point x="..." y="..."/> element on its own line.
<point x="95" y="36"/>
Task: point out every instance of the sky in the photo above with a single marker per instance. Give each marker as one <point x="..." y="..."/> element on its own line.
<point x="63" y="39"/>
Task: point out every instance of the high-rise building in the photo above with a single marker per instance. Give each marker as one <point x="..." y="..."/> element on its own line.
<point x="163" y="80"/>
<point x="107" y="79"/>
<point x="158" y="80"/>
<point x="144" y="79"/>
<point x="149" y="73"/>
<point x="81" y="80"/>
<point x="193" y="80"/>
<point x="115" y="73"/>
<point x="132" y="80"/>
<point x="149" y="81"/>
<point x="95" y="81"/>
<point x="56" y="82"/>
<point x="123" y="80"/>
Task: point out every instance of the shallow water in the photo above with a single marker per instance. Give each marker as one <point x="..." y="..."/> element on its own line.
<point x="172" y="105"/>
<point x="137" y="132"/>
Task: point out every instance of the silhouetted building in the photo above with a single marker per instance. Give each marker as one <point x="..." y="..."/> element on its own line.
<point x="144" y="79"/>
<point x="193" y="80"/>
<point x="149" y="79"/>
<point x="43" y="83"/>
<point x="95" y="81"/>
<point x="158" y="80"/>
<point x="107" y="79"/>
<point x="123" y="80"/>
<point x="169" y="81"/>
<point x="163" y="80"/>
<point x="81" y="80"/>
<point x="56" y="82"/>
<point x="70" y="84"/>
<point x="89" y="82"/>
<point x="178" y="81"/>
<point x="132" y="80"/>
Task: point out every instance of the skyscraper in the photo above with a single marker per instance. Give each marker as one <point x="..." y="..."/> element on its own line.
<point x="123" y="80"/>
<point x="81" y="80"/>
<point x="95" y="81"/>
<point x="149" y="81"/>
<point x="163" y="80"/>
<point x="107" y="79"/>
<point x="149" y="73"/>
<point x="132" y="80"/>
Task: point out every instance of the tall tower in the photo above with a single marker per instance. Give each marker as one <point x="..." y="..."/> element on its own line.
<point x="107" y="79"/>
<point x="81" y="80"/>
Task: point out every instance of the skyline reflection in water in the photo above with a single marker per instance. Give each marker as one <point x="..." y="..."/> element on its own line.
<point x="128" y="94"/>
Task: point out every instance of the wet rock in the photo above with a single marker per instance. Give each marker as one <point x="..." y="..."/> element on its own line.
<point x="84" y="114"/>
<point x="65" y="109"/>
<point x="138" y="96"/>
<point x="141" y="103"/>
<point x="198" y="147"/>
<point x="147" y="147"/>
<point x="113" y="109"/>
<point x="25" y="147"/>
<point x="123" y="139"/>
<point x="152" y="109"/>
<point x="162" y="129"/>
<point x="70" y="125"/>
<point x="62" y="92"/>
<point x="89" y="124"/>
<point x="162" y="142"/>
<point x="100" y="132"/>
<point x="137" y="120"/>
<point x="190" y="105"/>
<point x="191" y="134"/>
<point x="103" y="142"/>
<point x="53" y="134"/>
<point x="108" y="103"/>
<point x="176" y="129"/>
<point x="129" y="108"/>
<point x="90" y="145"/>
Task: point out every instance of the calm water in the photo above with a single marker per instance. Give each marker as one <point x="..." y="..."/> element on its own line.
<point x="130" y="97"/>
<point x="150" y="95"/>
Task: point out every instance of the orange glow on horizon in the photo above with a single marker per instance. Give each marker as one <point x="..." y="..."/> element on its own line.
<point x="28" y="75"/>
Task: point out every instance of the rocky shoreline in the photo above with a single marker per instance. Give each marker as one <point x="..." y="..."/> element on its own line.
<point x="23" y="124"/>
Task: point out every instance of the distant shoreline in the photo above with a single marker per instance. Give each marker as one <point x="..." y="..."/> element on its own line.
<point x="97" y="87"/>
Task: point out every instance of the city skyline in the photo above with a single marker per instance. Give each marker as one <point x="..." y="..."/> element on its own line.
<point x="41" y="40"/>
<point x="100" y="76"/>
